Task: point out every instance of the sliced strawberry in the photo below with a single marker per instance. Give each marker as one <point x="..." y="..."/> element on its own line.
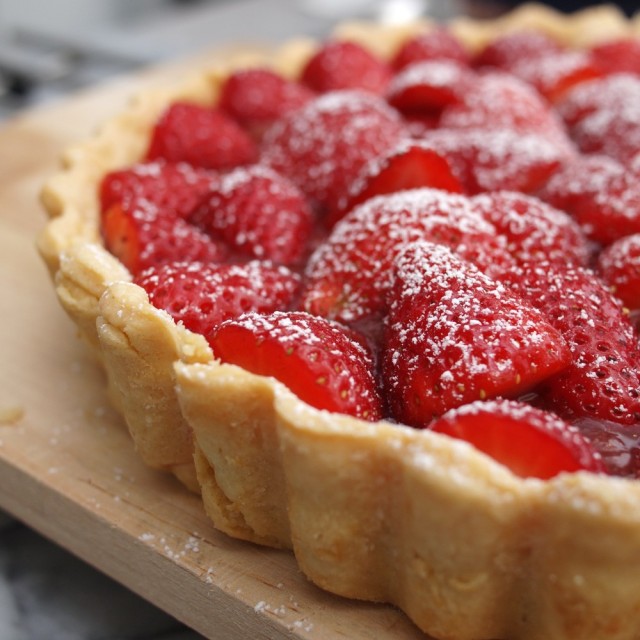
<point x="603" y="380"/>
<point x="436" y="44"/>
<point x="201" y="136"/>
<point x="348" y="276"/>
<point x="323" y="147"/>
<point x="201" y="296"/>
<point x="499" y="101"/>
<point x="322" y="362"/>
<point x="618" y="56"/>
<point x="534" y="230"/>
<point x="258" y="97"/>
<point x="619" y="266"/>
<point x="554" y="75"/>
<point x="175" y="188"/>
<point x="340" y="64"/>
<point x="408" y="166"/>
<point x="530" y="442"/>
<point x="427" y="87"/>
<point x="498" y="160"/>
<point x="454" y="335"/>
<point x="600" y="194"/>
<point x="512" y="48"/>
<point x="142" y="235"/>
<point x="259" y="213"/>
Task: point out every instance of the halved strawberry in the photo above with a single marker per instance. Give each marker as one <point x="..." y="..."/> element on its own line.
<point x="201" y="296"/>
<point x="258" y="213"/>
<point x="323" y="147"/>
<point x="202" y="136"/>
<point x="435" y="44"/>
<point x="600" y="194"/>
<point x="341" y="64"/>
<point x="528" y="441"/>
<point x="534" y="230"/>
<point x="175" y="188"/>
<point x="603" y="379"/>
<point x="322" y="362"/>
<point x="348" y="276"/>
<point x="258" y="97"/>
<point x="427" y="87"/>
<point x="454" y="335"/>
<point x="621" y="55"/>
<point x="142" y="235"/>
<point x="491" y="160"/>
<point x="511" y="48"/>
<point x="619" y="266"/>
<point x="411" y="165"/>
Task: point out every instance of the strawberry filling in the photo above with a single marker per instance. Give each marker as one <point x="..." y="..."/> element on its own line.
<point x="413" y="239"/>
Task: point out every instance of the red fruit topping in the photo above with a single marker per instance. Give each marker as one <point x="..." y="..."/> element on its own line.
<point x="322" y="362"/>
<point x="437" y="44"/>
<point x="454" y="335"/>
<point x="600" y="194"/>
<point x="258" y="213"/>
<point x="141" y="235"/>
<point x="323" y="147"/>
<point x="341" y="65"/>
<point x="258" y="97"/>
<point x="554" y="75"/>
<point x="409" y="166"/>
<point x="603" y="380"/>
<point x="348" y="276"/>
<point x="498" y="160"/>
<point x="501" y="101"/>
<point x="619" y="266"/>
<point x="510" y="49"/>
<point x="429" y="86"/>
<point x="201" y="136"/>
<point x="202" y="296"/>
<point x="534" y="230"/>
<point x="617" y="56"/>
<point x="530" y="442"/>
<point x="174" y="188"/>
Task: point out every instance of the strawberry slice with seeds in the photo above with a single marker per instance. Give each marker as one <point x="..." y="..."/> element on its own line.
<point x="341" y="64"/>
<point x="534" y="230"/>
<point x="600" y="194"/>
<point x="176" y="188"/>
<point x="142" y="235"/>
<point x="323" y="147"/>
<point x="454" y="335"/>
<point x="436" y="44"/>
<point x="258" y="213"/>
<point x="348" y="276"/>
<point x="258" y="97"/>
<point x="322" y="362"/>
<point x="202" y="296"/>
<point x="603" y="379"/>
<point x="619" y="266"/>
<point x="621" y="55"/>
<point x="409" y="166"/>
<point x="509" y="49"/>
<point x="201" y="136"/>
<point x="530" y="442"/>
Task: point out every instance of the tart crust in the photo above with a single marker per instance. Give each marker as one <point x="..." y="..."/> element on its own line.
<point x="372" y="511"/>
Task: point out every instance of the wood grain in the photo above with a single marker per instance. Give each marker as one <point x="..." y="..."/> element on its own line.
<point x="67" y="464"/>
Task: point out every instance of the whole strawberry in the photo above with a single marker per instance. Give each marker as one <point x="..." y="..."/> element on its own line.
<point x="322" y="362"/>
<point x="619" y="266"/>
<point x="435" y="44"/>
<point x="453" y="336"/>
<point x="202" y="296"/>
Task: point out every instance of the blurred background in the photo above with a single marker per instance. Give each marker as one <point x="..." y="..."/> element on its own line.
<point x="51" y="47"/>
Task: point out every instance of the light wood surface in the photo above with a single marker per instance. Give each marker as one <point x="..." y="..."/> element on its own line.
<point x="67" y="464"/>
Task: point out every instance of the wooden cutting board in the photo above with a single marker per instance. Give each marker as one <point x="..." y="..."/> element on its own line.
<point x="67" y="465"/>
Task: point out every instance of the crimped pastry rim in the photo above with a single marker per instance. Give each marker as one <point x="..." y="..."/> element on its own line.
<point x="96" y="291"/>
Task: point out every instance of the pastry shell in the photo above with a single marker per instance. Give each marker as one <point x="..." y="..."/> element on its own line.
<point x="372" y="511"/>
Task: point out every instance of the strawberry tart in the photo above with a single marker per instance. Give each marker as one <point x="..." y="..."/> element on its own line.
<point x="377" y="300"/>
